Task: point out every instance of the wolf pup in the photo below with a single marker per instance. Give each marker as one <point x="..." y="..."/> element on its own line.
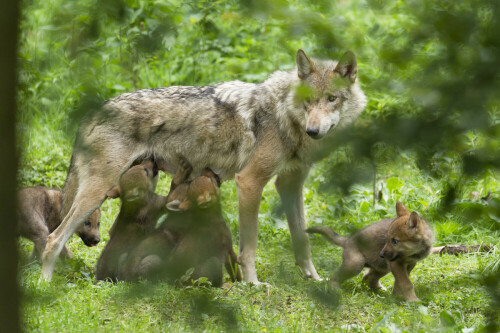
<point x="255" y="131"/>
<point x="39" y="211"/>
<point x="139" y="211"/>
<point x="202" y="239"/>
<point x="389" y="245"/>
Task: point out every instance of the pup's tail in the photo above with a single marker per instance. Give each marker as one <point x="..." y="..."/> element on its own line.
<point x="331" y="235"/>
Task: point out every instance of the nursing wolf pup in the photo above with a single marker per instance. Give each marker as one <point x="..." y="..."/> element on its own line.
<point x="39" y="211"/>
<point x="255" y="131"/>
<point x="202" y="241"/>
<point x="389" y="245"/>
<point x="139" y="212"/>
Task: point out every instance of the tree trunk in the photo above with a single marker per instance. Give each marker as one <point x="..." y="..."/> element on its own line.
<point x="9" y="294"/>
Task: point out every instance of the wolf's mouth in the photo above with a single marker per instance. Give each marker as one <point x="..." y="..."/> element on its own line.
<point x="394" y="258"/>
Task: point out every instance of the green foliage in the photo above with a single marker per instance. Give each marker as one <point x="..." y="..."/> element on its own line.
<point x="430" y="134"/>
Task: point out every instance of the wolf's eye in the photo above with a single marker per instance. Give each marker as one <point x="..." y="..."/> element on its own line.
<point x="87" y="223"/>
<point x="332" y="98"/>
<point x="394" y="241"/>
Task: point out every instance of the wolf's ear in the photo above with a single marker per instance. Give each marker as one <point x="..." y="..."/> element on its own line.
<point x="413" y="220"/>
<point x="401" y="209"/>
<point x="305" y="66"/>
<point x="347" y="66"/>
<point x="114" y="192"/>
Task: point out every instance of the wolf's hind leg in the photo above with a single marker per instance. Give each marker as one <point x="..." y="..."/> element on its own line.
<point x="347" y="270"/>
<point x="91" y="194"/>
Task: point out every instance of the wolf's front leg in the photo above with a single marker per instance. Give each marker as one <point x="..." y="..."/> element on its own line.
<point x="289" y="186"/>
<point x="250" y="182"/>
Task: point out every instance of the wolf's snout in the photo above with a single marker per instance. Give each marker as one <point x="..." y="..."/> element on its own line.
<point x="92" y="241"/>
<point x="313" y="132"/>
<point x="381" y="254"/>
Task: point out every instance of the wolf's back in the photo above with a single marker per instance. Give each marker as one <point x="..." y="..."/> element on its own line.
<point x="329" y="234"/>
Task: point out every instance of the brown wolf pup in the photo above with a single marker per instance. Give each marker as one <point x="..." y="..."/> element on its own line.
<point x="389" y="245"/>
<point x="247" y="131"/>
<point x="139" y="211"/>
<point x="39" y="211"/>
<point x="202" y="239"/>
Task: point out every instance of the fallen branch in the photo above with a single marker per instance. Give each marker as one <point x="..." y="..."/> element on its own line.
<point x="457" y="249"/>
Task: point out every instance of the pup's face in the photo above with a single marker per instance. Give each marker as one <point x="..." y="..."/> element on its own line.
<point x="327" y="91"/>
<point x="89" y="231"/>
<point x="202" y="192"/>
<point x="404" y="236"/>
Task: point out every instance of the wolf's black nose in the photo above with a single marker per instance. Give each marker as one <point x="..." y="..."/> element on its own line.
<point x="312" y="131"/>
<point x="381" y="254"/>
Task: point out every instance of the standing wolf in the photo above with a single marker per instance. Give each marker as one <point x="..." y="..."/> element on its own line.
<point x="243" y="130"/>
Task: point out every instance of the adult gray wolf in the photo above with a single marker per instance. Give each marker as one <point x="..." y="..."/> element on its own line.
<point x="39" y="211"/>
<point x="394" y="245"/>
<point x="255" y="131"/>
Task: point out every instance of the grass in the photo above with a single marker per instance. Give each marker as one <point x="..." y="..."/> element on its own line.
<point x="451" y="289"/>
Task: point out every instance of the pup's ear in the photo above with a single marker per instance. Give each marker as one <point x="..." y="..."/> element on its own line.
<point x="305" y="66"/>
<point x="347" y="66"/>
<point x="114" y="192"/>
<point x="413" y="220"/>
<point x="178" y="206"/>
<point x="401" y="209"/>
<point x="174" y="205"/>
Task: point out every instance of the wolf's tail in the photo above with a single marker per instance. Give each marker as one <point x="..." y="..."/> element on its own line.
<point x="331" y="235"/>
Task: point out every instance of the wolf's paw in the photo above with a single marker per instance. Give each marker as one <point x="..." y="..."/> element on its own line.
<point x="308" y="270"/>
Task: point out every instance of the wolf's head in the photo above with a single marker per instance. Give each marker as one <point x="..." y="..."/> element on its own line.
<point x="331" y="96"/>
<point x="408" y="236"/>
<point x="202" y="192"/>
<point x="136" y="184"/>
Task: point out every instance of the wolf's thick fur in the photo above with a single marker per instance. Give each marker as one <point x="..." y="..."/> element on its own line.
<point x="389" y="245"/>
<point x="39" y="214"/>
<point x="252" y="130"/>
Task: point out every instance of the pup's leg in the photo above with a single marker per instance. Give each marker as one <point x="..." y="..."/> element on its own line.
<point x="232" y="267"/>
<point x="402" y="283"/>
<point x="372" y="277"/>
<point x="39" y="245"/>
<point x="250" y="182"/>
<point x="289" y="186"/>
<point x="32" y="226"/>
<point x="182" y="173"/>
<point x="351" y="266"/>
<point x="66" y="253"/>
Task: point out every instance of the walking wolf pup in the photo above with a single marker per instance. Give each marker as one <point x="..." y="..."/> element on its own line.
<point x="389" y="245"/>
<point x="243" y="130"/>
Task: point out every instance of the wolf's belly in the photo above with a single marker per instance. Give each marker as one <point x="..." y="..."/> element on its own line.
<point x="224" y="156"/>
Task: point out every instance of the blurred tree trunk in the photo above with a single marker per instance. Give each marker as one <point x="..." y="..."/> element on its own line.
<point x="9" y="294"/>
